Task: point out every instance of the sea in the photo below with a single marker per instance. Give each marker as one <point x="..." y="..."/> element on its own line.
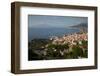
<point x="46" y="33"/>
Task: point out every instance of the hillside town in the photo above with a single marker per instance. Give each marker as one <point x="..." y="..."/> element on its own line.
<point x="72" y="46"/>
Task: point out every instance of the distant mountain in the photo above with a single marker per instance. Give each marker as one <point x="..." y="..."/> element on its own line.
<point x="81" y="25"/>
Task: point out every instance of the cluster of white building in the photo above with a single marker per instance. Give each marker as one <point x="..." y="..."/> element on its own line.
<point x="71" y="39"/>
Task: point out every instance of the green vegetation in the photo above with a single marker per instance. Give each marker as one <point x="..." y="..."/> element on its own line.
<point x="44" y="49"/>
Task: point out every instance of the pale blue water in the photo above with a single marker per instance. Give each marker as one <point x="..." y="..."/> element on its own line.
<point x="45" y="33"/>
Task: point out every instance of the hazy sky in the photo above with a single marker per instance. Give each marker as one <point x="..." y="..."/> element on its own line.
<point x="46" y="21"/>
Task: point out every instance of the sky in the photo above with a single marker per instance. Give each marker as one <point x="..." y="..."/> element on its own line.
<point x="47" y="21"/>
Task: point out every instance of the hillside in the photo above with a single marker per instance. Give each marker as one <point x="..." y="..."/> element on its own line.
<point x="81" y="25"/>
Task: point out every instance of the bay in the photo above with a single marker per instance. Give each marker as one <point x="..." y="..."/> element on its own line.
<point x="46" y="33"/>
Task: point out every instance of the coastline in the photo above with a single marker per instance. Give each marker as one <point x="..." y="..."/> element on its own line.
<point x="71" y="46"/>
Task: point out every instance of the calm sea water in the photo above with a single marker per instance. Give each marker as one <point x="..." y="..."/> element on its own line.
<point x="45" y="33"/>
